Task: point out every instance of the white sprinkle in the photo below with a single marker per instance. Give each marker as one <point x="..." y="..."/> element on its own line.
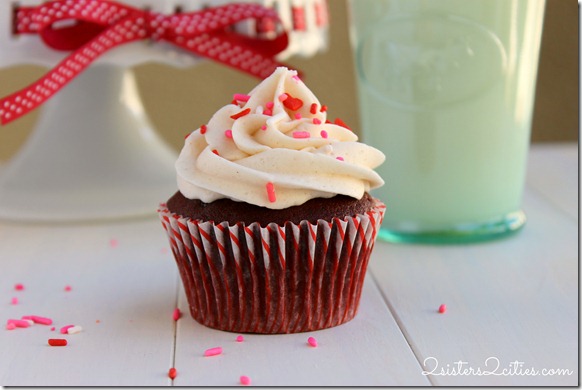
<point x="74" y="329"/>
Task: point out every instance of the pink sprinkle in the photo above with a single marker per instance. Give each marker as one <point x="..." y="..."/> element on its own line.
<point x="442" y="308"/>
<point x="228" y="133"/>
<point x="312" y="341"/>
<point x="340" y="158"/>
<point x="19" y="323"/>
<point x="177" y="314"/>
<point x="323" y="134"/>
<point x="245" y="380"/>
<point x="113" y="243"/>
<point x="316" y="121"/>
<point x="14" y="301"/>
<point x="269" y="105"/>
<point x="213" y="351"/>
<point x="68" y="288"/>
<point x="53" y="329"/>
<point x="282" y="97"/>
<point x="268" y="111"/>
<point x="41" y="320"/>
<point x="296" y="78"/>
<point x="19" y="287"/>
<point x="271" y="192"/>
<point x="240" y="338"/>
<point x="301" y="134"/>
<point x="264" y="127"/>
<point x="65" y="329"/>
<point x="10" y="326"/>
<point x="241" y="97"/>
<point x="297" y="115"/>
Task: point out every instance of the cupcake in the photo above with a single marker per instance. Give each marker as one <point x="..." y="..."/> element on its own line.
<point x="273" y="225"/>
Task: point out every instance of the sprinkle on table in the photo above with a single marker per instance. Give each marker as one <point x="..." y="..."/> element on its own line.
<point x="113" y="243"/>
<point x="57" y="342"/>
<point x="312" y="341"/>
<point x="68" y="288"/>
<point x="65" y="329"/>
<point x="442" y="308"/>
<point x="213" y="351"/>
<point x="240" y="338"/>
<point x="19" y="286"/>
<point x="177" y="314"/>
<point x="172" y="373"/>
<point x="74" y="329"/>
<point x="41" y="320"/>
<point x="245" y="380"/>
<point x="10" y="326"/>
<point x="14" y="301"/>
<point x="19" y="323"/>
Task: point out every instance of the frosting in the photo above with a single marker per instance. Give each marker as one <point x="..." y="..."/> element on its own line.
<point x="273" y="148"/>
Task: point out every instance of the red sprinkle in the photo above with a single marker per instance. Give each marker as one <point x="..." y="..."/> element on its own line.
<point x="213" y="351"/>
<point x="271" y="192"/>
<point x="177" y="314"/>
<point x="228" y="133"/>
<point x="57" y="342"/>
<point x="323" y="108"/>
<point x="203" y="129"/>
<point x="215" y="152"/>
<point x="52" y="329"/>
<point x="172" y="373"/>
<point x="312" y="341"/>
<point x="240" y="338"/>
<point x="341" y="123"/>
<point x="301" y="134"/>
<point x="19" y="287"/>
<point x="327" y="121"/>
<point x="234" y="102"/>
<point x="292" y="103"/>
<point x="242" y="113"/>
<point x="268" y="111"/>
<point x="313" y="108"/>
<point x="68" y="288"/>
<point x="442" y="308"/>
<point x="245" y="380"/>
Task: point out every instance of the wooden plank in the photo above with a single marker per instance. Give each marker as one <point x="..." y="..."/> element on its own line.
<point x="369" y="350"/>
<point x="129" y="287"/>
<point x="553" y="171"/>
<point x="512" y="300"/>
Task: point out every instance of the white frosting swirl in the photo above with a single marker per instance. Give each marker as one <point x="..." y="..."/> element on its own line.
<point x="303" y="158"/>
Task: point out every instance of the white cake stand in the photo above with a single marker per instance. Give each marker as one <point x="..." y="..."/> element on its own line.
<point x="94" y="154"/>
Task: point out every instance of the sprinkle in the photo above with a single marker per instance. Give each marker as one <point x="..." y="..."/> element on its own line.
<point x="14" y="301"/>
<point x="323" y="108"/>
<point x="340" y="158"/>
<point x="187" y="135"/>
<point x="53" y="329"/>
<point x="341" y="123"/>
<point x="41" y="320"/>
<point x="203" y="129"/>
<point x="297" y="115"/>
<point x="245" y="380"/>
<point x="213" y="351"/>
<point x="242" y="113"/>
<point x="57" y="342"/>
<point x="292" y="103"/>
<point x="228" y="133"/>
<point x="323" y="134"/>
<point x="19" y="287"/>
<point x="268" y="111"/>
<point x="296" y="78"/>
<point x="64" y="329"/>
<point x="301" y="134"/>
<point x="312" y="341"/>
<point x="10" y="326"/>
<point x="215" y="152"/>
<point x="316" y="121"/>
<point x="259" y="110"/>
<point x="328" y="121"/>
<point x="269" y="105"/>
<point x="19" y="323"/>
<point x="172" y="373"/>
<point x="271" y="192"/>
<point x="97" y="321"/>
<point x="113" y="243"/>
<point x="68" y="288"/>
<point x="442" y="308"/>
<point x="241" y="97"/>
<point x="74" y="329"/>
<point x="240" y="338"/>
<point x="313" y="108"/>
<point x="177" y="314"/>
<point x="282" y="97"/>
<point x="264" y="127"/>
<point x="234" y="102"/>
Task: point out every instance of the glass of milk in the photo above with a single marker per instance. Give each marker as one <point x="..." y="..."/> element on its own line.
<point x="446" y="91"/>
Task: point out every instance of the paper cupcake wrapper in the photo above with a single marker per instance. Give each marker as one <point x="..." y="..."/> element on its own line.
<point x="276" y="279"/>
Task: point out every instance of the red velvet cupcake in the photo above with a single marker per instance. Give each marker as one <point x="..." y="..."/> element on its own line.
<point x="272" y="226"/>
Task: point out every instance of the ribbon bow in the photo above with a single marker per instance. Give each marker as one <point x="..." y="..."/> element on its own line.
<point x="100" y="25"/>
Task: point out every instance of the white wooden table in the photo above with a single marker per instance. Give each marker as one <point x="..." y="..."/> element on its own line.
<point x="508" y="301"/>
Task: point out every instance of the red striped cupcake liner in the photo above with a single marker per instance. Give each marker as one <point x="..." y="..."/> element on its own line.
<point x="276" y="279"/>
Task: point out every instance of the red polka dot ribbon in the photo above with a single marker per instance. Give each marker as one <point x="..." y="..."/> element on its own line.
<point x="92" y="27"/>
